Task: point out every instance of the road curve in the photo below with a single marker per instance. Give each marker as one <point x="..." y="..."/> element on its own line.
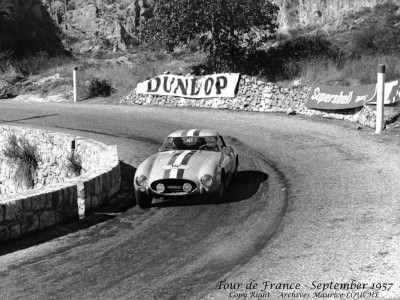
<point x="340" y="197"/>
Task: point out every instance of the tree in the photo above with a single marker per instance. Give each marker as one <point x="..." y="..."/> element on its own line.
<point x="6" y="14"/>
<point x="229" y="29"/>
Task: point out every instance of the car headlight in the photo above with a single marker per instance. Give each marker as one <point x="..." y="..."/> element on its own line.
<point x="187" y="187"/>
<point x="141" y="180"/>
<point x="206" y="180"/>
<point x="160" y="188"/>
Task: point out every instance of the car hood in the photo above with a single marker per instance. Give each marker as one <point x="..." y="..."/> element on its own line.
<point x="183" y="164"/>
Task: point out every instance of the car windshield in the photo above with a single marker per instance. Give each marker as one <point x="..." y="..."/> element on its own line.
<point x="206" y="143"/>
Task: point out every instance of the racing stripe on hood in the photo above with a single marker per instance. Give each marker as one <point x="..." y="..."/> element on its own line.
<point x="196" y="133"/>
<point x="184" y="133"/>
<point x="184" y="163"/>
<point x="190" y="132"/>
<point x="171" y="161"/>
<point x="174" y="172"/>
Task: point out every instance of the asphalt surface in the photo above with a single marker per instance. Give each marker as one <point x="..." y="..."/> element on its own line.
<point x="313" y="202"/>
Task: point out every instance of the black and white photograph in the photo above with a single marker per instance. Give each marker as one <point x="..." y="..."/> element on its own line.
<point x="199" y="149"/>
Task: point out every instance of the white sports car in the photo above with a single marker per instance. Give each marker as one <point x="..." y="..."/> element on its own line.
<point x="189" y="162"/>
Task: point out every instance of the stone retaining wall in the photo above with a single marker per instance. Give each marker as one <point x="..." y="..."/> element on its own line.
<point x="37" y="209"/>
<point x="68" y="198"/>
<point x="257" y="95"/>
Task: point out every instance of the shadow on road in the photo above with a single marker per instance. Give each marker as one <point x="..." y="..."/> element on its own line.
<point x="25" y="119"/>
<point x="243" y="187"/>
<point x="122" y="202"/>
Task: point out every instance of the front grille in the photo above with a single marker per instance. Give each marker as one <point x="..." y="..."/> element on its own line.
<point x="173" y="185"/>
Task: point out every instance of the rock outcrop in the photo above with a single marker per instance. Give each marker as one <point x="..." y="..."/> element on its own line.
<point x="90" y="25"/>
<point x="330" y="14"/>
<point x="26" y="27"/>
<point x="93" y="25"/>
<point x="96" y="24"/>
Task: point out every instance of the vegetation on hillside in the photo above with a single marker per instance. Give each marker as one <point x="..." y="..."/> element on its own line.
<point x="229" y="30"/>
<point x="350" y="57"/>
<point x="309" y="55"/>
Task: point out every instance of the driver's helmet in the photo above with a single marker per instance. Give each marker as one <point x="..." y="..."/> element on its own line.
<point x="177" y="142"/>
<point x="201" y="142"/>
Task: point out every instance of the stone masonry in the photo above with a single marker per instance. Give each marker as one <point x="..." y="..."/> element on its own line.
<point x="259" y="96"/>
<point x="55" y="201"/>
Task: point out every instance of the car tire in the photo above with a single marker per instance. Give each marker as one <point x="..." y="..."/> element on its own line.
<point x="143" y="200"/>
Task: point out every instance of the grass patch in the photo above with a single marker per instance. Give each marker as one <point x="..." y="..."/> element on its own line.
<point x="123" y="73"/>
<point x="351" y="71"/>
<point x="21" y="151"/>
<point x="113" y="75"/>
<point x="31" y="65"/>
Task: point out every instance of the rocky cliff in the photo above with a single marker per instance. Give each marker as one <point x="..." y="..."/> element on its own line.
<point x="327" y="13"/>
<point x="117" y="23"/>
<point x="92" y="25"/>
<point x="25" y="26"/>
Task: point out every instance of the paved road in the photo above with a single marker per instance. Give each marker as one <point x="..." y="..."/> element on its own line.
<point x="313" y="202"/>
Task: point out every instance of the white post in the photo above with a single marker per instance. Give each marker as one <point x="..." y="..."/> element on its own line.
<point x="75" y="84"/>
<point x="380" y="95"/>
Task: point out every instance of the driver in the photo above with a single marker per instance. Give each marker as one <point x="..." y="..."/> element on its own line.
<point x="201" y="142"/>
<point x="177" y="142"/>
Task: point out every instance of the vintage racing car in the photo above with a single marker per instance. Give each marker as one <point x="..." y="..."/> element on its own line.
<point x="189" y="162"/>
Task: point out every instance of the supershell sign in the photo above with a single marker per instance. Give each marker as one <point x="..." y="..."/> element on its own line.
<point x="332" y="97"/>
<point x="221" y="85"/>
<point x="339" y="97"/>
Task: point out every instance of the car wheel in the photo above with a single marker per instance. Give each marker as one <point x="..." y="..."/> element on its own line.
<point x="143" y="200"/>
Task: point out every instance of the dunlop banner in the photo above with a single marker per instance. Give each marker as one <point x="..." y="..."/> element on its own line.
<point x="340" y="97"/>
<point x="210" y="86"/>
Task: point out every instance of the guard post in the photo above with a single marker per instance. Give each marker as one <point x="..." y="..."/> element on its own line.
<point x="75" y="84"/>
<point x="380" y="95"/>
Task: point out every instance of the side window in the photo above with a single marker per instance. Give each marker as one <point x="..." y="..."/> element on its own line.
<point x="222" y="142"/>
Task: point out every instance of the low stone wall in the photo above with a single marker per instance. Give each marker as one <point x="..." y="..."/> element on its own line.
<point x="37" y="209"/>
<point x="55" y="201"/>
<point x="102" y="179"/>
<point x="257" y="95"/>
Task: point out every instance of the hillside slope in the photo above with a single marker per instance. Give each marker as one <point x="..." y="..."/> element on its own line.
<point x="116" y="24"/>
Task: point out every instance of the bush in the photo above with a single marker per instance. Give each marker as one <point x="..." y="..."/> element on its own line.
<point x="99" y="87"/>
<point x="379" y="33"/>
<point x="26" y="157"/>
<point x="39" y="63"/>
<point x="5" y="58"/>
<point x="286" y="60"/>
<point x="376" y="39"/>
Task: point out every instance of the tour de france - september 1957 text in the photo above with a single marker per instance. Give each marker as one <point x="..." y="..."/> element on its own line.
<point x="261" y="289"/>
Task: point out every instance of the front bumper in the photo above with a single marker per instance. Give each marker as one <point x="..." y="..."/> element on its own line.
<point x="174" y="188"/>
